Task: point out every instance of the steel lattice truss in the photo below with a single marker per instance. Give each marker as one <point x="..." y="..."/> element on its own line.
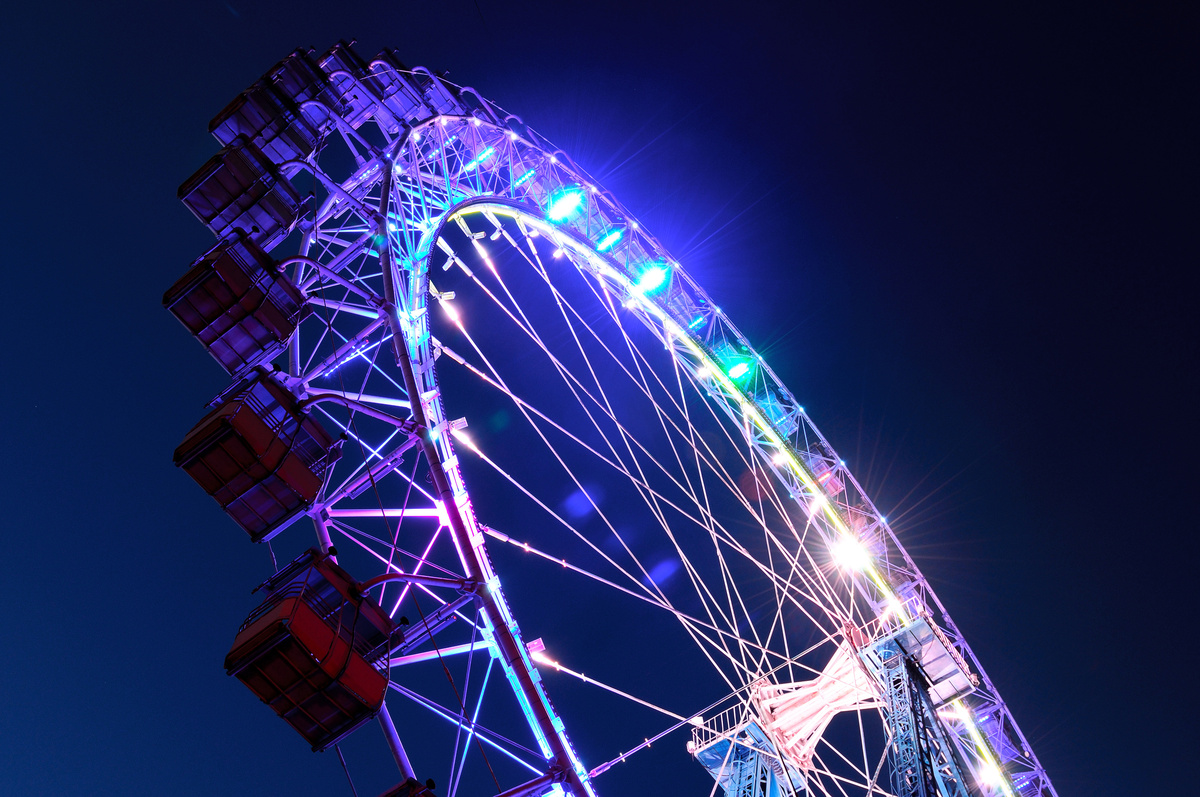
<point x="413" y="182"/>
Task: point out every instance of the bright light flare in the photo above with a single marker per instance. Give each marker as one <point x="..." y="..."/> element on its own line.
<point x="739" y="370"/>
<point x="540" y="657"/>
<point x="564" y="205"/>
<point x="849" y="553"/>
<point x="653" y="278"/>
<point x="990" y="775"/>
<point x="465" y="439"/>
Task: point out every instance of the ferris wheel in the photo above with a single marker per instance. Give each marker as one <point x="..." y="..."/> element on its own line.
<point x="495" y="396"/>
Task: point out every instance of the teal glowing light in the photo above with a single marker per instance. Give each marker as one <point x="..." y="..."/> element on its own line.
<point x="653" y="278"/>
<point x="564" y="204"/>
<point x="378" y="244"/>
<point x="610" y="240"/>
<point x="524" y="178"/>
<point x="739" y="370"/>
<point x="480" y="158"/>
<point x="697" y="322"/>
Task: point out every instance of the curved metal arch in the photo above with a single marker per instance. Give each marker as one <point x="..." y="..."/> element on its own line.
<point x="787" y="441"/>
<point x="500" y="628"/>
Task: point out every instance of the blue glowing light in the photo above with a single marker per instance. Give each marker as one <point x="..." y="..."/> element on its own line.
<point x="524" y="178"/>
<point x="697" y="322"/>
<point x="652" y="278"/>
<point x="609" y="240"/>
<point x="661" y="573"/>
<point x="359" y="352"/>
<point x="564" y="204"/>
<point x="480" y="158"/>
<point x="583" y="502"/>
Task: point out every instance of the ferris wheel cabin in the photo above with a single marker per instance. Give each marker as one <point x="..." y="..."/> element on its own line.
<point x="260" y="456"/>
<point x="238" y="304"/>
<point x="316" y="650"/>
<point x="240" y="189"/>
<point x="283" y="114"/>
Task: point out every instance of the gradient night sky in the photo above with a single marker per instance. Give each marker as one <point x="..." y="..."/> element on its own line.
<point x="957" y="235"/>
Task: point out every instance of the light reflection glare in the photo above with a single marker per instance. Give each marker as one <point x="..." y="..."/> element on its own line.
<point x="850" y="554"/>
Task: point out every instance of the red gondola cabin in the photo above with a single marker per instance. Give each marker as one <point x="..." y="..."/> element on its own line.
<point x="238" y="304"/>
<point x="260" y="456"/>
<point x="316" y="650"/>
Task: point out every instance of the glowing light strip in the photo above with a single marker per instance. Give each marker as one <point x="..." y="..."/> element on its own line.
<point x="430" y="655"/>
<point x="524" y="178"/>
<point x="417" y="321"/>
<point x="982" y="747"/>
<point x="672" y="329"/>
<point x="609" y="241"/>
<point x="480" y="158"/>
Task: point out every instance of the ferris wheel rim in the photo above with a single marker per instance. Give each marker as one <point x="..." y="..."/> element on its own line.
<point x="586" y="248"/>
<point x="524" y="211"/>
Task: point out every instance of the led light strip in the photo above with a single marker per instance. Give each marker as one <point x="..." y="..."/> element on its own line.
<point x="749" y="408"/>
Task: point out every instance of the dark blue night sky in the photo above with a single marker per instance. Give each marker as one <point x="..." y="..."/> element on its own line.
<point x="957" y="234"/>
